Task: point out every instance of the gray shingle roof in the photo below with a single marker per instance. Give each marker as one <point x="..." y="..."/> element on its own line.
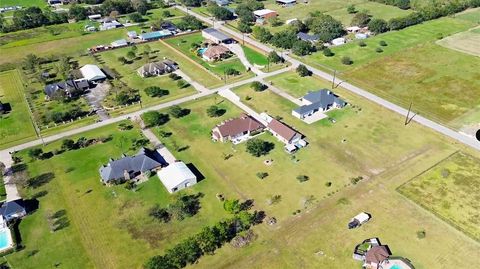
<point x="11" y="208"/>
<point x="145" y="160"/>
<point x="217" y="34"/>
<point x="66" y="86"/>
<point x="320" y="99"/>
<point x="307" y="37"/>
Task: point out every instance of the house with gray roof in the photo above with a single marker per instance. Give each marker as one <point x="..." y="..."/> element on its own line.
<point x="131" y="167"/>
<point x="68" y="88"/>
<point x="157" y="68"/>
<point x="307" y="37"/>
<point x="321" y="100"/>
<point x="13" y="210"/>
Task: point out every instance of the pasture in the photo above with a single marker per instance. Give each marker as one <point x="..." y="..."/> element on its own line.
<point x="16" y="126"/>
<point x="466" y="42"/>
<point x="450" y="190"/>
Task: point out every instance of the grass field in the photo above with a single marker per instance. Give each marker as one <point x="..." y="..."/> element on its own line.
<point x="450" y="190"/>
<point x="397" y="41"/>
<point x="298" y="86"/>
<point x="466" y="42"/>
<point x="15" y="127"/>
<point x="103" y="221"/>
<point x="23" y="3"/>
<point x="183" y="43"/>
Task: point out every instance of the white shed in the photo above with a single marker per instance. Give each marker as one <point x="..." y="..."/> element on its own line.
<point x="177" y="176"/>
<point x="92" y="72"/>
<point x="339" y="41"/>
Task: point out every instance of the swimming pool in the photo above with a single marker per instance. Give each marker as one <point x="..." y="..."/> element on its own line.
<point x="5" y="239"/>
<point x="202" y="51"/>
<point x="396" y="266"/>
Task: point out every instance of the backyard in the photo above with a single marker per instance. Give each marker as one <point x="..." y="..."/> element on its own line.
<point x="15" y="127"/>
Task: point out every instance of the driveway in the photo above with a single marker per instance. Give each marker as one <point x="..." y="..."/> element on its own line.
<point x="235" y="99"/>
<point x="10" y="187"/>
<point x="199" y="87"/>
<point x="164" y="152"/>
<point x="95" y="97"/>
<point x="237" y="49"/>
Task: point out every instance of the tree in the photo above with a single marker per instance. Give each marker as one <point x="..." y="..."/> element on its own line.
<point x="261" y="34"/>
<point x="325" y="26"/>
<point x="154" y="118"/>
<point x="327" y="52"/>
<point x="208" y="240"/>
<point x="244" y="27"/>
<point x="189" y="22"/>
<point x="302" y="178"/>
<point x="258" y="86"/>
<point x="361" y="19"/>
<point x="184" y="206"/>
<point x="362" y="43"/>
<point x="35" y="153"/>
<point x="131" y="55"/>
<point x="220" y="13"/>
<point x="383" y="43"/>
<point x="297" y="26"/>
<point x="122" y="59"/>
<point x="178" y="112"/>
<point x="77" y="12"/>
<point x="231" y="72"/>
<point x="274" y="21"/>
<point x="215" y="111"/>
<point x="258" y="147"/>
<point x="31" y="62"/>
<point x="191" y="3"/>
<point x="303" y="71"/>
<point x="155" y="91"/>
<point x="232" y="206"/>
<point x="302" y="48"/>
<point x="346" y="60"/>
<point x="166" y="14"/>
<point x="351" y="9"/>
<point x="379" y="50"/>
<point x="274" y="57"/>
<point x="378" y="26"/>
<point x="135" y="17"/>
<point x="141" y="6"/>
<point x="284" y="39"/>
<point x="262" y="175"/>
<point x="159" y="213"/>
<point x="68" y="144"/>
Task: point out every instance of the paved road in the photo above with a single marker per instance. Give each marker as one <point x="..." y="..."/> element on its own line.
<point x="467" y="140"/>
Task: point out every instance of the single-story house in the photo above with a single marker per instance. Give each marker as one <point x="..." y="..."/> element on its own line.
<point x="92" y="72"/>
<point x="222" y="3"/>
<point x="283" y="132"/>
<point x="130" y="167"/>
<point x="168" y="25"/>
<point x="265" y="14"/>
<point x="216" y="36"/>
<point x="68" y="87"/>
<point x="361" y="36"/>
<point x="54" y="2"/>
<point x="321" y="100"/>
<point x="237" y="130"/>
<point x="307" y="37"/>
<point x="155" y="35"/>
<point x="214" y="53"/>
<point x="339" y="41"/>
<point x="177" y="176"/>
<point x="353" y="29"/>
<point x="375" y="256"/>
<point x="119" y="43"/>
<point x="95" y="17"/>
<point x="13" y="210"/>
<point x="9" y="8"/>
<point x="132" y="34"/>
<point x="107" y="25"/>
<point x="157" y="68"/>
<point x="286" y="3"/>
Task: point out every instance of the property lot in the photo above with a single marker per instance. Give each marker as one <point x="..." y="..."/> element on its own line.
<point x="450" y="190"/>
<point x="16" y="126"/>
<point x="466" y="42"/>
<point x="103" y="222"/>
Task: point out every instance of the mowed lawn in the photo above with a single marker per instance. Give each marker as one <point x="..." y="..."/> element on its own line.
<point x="184" y="43"/>
<point x="15" y="127"/>
<point x="466" y="42"/>
<point x="397" y="41"/>
<point x="109" y="227"/>
<point x="451" y="191"/>
<point x="23" y="3"/>
<point x="298" y="86"/>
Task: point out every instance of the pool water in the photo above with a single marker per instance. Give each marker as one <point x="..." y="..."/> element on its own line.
<point x="202" y="51"/>
<point x="4" y="239"/>
<point x="396" y="266"/>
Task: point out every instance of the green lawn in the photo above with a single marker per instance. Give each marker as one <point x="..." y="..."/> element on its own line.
<point x="15" y="127"/>
<point x="298" y="86"/>
<point x="450" y="190"/>
<point x="183" y="43"/>
<point x="23" y="3"/>
<point x="255" y="57"/>
<point x="104" y="222"/>
<point x="397" y="41"/>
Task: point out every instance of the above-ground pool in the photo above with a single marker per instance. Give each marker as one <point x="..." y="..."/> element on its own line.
<point x="202" y="51"/>
<point x="5" y="239"/>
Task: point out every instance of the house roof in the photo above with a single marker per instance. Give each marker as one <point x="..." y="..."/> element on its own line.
<point x="145" y="160"/>
<point x="216" y="34"/>
<point x="215" y="51"/>
<point x="222" y="2"/>
<point x="92" y="72"/>
<point x="307" y="37"/>
<point x="319" y="99"/>
<point x="156" y="34"/>
<point x="12" y="207"/>
<point x="240" y="125"/>
<point x="263" y="12"/>
<point x="162" y="66"/>
<point x="282" y="129"/>
<point x="377" y="254"/>
<point x="52" y="88"/>
<point x="119" y="43"/>
<point x="175" y="174"/>
<point x="132" y="33"/>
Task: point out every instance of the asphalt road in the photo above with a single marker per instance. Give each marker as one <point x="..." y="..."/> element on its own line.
<point x="469" y="141"/>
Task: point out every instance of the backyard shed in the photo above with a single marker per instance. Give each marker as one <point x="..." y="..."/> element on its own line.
<point x="177" y="176"/>
<point x="92" y="72"/>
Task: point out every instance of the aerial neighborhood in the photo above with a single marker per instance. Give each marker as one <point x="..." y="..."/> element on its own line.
<point x="168" y="134"/>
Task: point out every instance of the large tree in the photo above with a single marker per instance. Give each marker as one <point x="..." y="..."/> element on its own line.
<point x="258" y="147"/>
<point x="154" y="118"/>
<point x="325" y="26"/>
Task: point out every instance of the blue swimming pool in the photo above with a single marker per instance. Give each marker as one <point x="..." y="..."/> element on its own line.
<point x="4" y="239"/>
<point x="396" y="266"/>
<point x="202" y="51"/>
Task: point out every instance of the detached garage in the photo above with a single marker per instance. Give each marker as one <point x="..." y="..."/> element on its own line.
<point x="92" y="72"/>
<point x="177" y="176"/>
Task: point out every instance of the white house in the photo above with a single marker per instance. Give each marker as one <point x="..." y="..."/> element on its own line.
<point x="339" y="41"/>
<point x="92" y="72"/>
<point x="177" y="176"/>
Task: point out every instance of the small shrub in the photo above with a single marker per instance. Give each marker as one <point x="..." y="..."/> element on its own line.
<point x="262" y="175"/>
<point x="328" y="184"/>
<point x="258" y="86"/>
<point x="378" y="50"/>
<point x="383" y="43"/>
<point x="362" y="44"/>
<point x="346" y="60"/>
<point x="327" y="52"/>
<point x="421" y="234"/>
<point x="302" y="178"/>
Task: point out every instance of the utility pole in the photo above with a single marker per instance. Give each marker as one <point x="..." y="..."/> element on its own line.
<point x="334" y="76"/>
